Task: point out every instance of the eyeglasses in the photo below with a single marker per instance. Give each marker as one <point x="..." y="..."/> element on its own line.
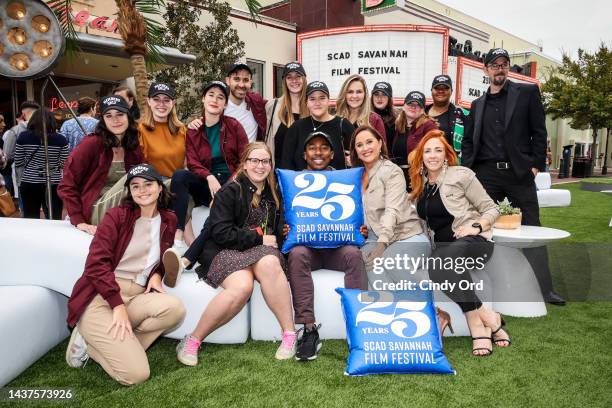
<point x="256" y="162"/>
<point x="499" y="66"/>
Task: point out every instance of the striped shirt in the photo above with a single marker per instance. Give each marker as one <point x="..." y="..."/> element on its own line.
<point x="29" y="150"/>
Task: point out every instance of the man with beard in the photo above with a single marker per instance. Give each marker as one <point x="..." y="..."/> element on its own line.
<point x="450" y="118"/>
<point x="247" y="107"/>
<point x="505" y="144"/>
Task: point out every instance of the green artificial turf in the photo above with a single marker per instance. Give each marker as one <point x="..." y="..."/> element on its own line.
<point x="561" y="360"/>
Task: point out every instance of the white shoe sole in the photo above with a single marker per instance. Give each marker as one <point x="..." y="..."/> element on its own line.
<point x="313" y="357"/>
<point x="69" y="357"/>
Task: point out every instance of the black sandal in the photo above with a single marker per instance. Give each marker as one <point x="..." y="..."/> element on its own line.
<point x="496" y="341"/>
<point x="489" y="350"/>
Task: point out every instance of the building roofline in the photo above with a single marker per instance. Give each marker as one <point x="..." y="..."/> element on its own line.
<point x="113" y="47"/>
<point x="538" y="53"/>
<point x="263" y="19"/>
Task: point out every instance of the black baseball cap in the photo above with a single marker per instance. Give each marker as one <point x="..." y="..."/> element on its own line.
<point x="383" y="87"/>
<point x="294" y="67"/>
<point x="237" y="67"/>
<point x="316" y="134"/>
<point x="158" y="88"/>
<point x="218" y="84"/>
<point x="495" y="53"/>
<point x="415" y="96"/>
<point x="146" y="171"/>
<point x="113" y="102"/>
<point x="442" y="80"/>
<point x="317" y="86"/>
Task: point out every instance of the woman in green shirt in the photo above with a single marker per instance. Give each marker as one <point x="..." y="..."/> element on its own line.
<point x="213" y="151"/>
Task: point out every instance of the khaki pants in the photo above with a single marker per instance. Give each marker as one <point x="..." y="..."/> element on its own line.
<point x="150" y="314"/>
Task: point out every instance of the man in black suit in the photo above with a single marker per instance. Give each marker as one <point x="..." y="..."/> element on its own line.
<point x="505" y="144"/>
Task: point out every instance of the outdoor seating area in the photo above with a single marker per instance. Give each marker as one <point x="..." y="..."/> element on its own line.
<point x="63" y="250"/>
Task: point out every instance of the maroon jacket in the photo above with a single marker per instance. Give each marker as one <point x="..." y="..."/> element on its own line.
<point x="415" y="134"/>
<point x="233" y="139"/>
<point x="85" y="173"/>
<point x="257" y="105"/>
<point x="106" y="250"/>
<point x="377" y="123"/>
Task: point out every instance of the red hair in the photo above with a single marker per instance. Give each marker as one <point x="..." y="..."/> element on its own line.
<point x="415" y="158"/>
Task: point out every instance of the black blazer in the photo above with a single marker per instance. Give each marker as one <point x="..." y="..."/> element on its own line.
<point x="225" y="226"/>
<point x="525" y="129"/>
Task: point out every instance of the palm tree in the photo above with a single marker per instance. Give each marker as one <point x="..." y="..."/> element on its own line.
<point x="140" y="33"/>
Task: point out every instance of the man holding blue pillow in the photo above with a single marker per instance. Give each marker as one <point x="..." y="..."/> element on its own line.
<point x="318" y="154"/>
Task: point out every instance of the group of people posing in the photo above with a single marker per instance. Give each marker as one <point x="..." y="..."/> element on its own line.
<point x="413" y="189"/>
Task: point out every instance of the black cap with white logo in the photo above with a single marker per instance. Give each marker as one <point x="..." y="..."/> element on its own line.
<point x="145" y="171"/>
<point x="158" y="88"/>
<point x="415" y="96"/>
<point x="495" y="53"/>
<point x="113" y="102"/>
<point x="442" y="80"/>
<point x="316" y="134"/>
<point x="294" y="67"/>
<point x="383" y="87"/>
<point x="317" y="86"/>
<point x="217" y="84"/>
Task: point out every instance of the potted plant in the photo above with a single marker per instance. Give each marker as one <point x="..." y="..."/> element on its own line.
<point x="509" y="217"/>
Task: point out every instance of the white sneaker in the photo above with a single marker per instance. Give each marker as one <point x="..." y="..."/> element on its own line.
<point x="173" y="267"/>
<point x="180" y="246"/>
<point x="76" y="353"/>
<point x="286" y="350"/>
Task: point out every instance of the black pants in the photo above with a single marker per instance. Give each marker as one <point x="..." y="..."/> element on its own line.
<point x="470" y="247"/>
<point x="34" y="197"/>
<point x="522" y="193"/>
<point x="184" y="184"/>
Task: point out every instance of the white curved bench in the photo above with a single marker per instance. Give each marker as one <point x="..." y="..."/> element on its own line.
<point x="549" y="197"/>
<point x="41" y="261"/>
<point x="33" y="320"/>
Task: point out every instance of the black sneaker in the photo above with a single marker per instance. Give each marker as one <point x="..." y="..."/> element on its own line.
<point x="308" y="345"/>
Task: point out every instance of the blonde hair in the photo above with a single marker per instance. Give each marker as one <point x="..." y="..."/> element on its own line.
<point x="401" y="123"/>
<point x="285" y="114"/>
<point x="270" y="180"/>
<point x="174" y="124"/>
<point x="342" y="108"/>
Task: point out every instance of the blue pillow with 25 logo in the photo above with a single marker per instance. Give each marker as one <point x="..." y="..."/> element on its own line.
<point x="392" y="333"/>
<point x="322" y="208"/>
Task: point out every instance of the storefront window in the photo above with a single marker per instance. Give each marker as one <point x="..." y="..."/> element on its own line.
<point x="258" y="68"/>
<point x="7" y="93"/>
<point x="73" y="89"/>
<point x="278" y="80"/>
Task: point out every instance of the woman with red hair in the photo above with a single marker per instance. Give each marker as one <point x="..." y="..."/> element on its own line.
<point x="459" y="216"/>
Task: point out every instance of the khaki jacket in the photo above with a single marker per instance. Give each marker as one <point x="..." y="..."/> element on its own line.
<point x="466" y="199"/>
<point x="273" y="122"/>
<point x="386" y="204"/>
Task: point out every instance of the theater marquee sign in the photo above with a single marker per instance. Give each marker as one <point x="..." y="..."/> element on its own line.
<point x="472" y="82"/>
<point x="406" y="56"/>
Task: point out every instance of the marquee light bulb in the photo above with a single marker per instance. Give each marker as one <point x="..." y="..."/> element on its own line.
<point x="21" y="62"/>
<point x="17" y="36"/>
<point x="41" y="23"/>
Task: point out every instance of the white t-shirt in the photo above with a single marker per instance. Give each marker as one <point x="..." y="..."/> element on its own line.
<point x="245" y="117"/>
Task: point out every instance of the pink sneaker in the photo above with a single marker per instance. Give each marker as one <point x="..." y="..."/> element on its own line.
<point x="187" y="350"/>
<point x="286" y="350"/>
